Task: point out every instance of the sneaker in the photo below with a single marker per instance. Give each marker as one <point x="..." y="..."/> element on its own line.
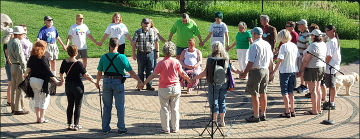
<point x="150" y="88"/>
<point x="165" y="132"/>
<point x="252" y="119"/>
<point x="108" y="131"/>
<point x="174" y="131"/>
<point x="77" y="127"/>
<point x="308" y="95"/>
<point x="263" y="118"/>
<point x="122" y="132"/>
<point x="304" y="89"/>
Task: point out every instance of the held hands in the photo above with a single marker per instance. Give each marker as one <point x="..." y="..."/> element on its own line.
<point x="59" y="83"/>
<point x="227" y="48"/>
<point x="242" y="75"/>
<point x="201" y="44"/>
<point x="98" y="85"/>
<point x="98" y="43"/>
<point x="140" y="85"/>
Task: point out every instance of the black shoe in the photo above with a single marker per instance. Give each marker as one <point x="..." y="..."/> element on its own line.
<point x="122" y="132"/>
<point x="263" y="118"/>
<point x="137" y="89"/>
<point x="21" y="112"/>
<point x="150" y="88"/>
<point x="252" y="119"/>
<point x="107" y="131"/>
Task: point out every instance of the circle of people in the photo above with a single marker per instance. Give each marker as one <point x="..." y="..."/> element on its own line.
<point x="298" y="55"/>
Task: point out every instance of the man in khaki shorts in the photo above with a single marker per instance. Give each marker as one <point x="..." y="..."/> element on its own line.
<point x="49" y="34"/>
<point x="77" y="33"/>
<point x="258" y="66"/>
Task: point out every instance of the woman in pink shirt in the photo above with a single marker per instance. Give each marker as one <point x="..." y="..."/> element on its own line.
<point x="169" y="88"/>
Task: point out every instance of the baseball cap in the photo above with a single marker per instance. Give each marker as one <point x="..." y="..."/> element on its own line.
<point x="316" y="32"/>
<point x="19" y="30"/>
<point x="302" y="21"/>
<point x="145" y="21"/>
<point x="47" y="17"/>
<point x="79" y="16"/>
<point x="257" y="30"/>
<point x="219" y="15"/>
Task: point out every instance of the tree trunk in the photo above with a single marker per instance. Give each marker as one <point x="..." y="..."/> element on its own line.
<point x="182" y="6"/>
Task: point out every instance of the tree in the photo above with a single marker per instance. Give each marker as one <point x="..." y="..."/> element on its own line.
<point x="182" y="6"/>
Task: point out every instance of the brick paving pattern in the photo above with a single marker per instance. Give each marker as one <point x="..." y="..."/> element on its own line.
<point x="143" y="119"/>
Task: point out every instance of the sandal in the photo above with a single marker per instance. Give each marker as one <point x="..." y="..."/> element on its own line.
<point x="310" y="113"/>
<point x="293" y="114"/>
<point x="287" y="115"/>
<point x="8" y="104"/>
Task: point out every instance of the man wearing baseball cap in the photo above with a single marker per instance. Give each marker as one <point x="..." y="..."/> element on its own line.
<point x="218" y="31"/>
<point x="49" y="34"/>
<point x="302" y="44"/>
<point x="77" y="33"/>
<point x="258" y="66"/>
<point x="18" y="68"/>
<point x="144" y="42"/>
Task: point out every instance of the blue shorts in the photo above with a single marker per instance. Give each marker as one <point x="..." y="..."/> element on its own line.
<point x="179" y="50"/>
<point x="8" y="72"/>
<point x="287" y="83"/>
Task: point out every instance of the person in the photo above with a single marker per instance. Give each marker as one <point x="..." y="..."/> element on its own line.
<point x="286" y="64"/>
<point x="169" y="88"/>
<point x="333" y="58"/>
<point x="242" y="42"/>
<point x="218" y="92"/>
<point x="27" y="44"/>
<point x="8" y="35"/>
<point x="119" y="30"/>
<point x="77" y="33"/>
<point x="218" y="31"/>
<point x="190" y="60"/>
<point x="40" y="75"/>
<point x="185" y="28"/>
<point x="312" y="69"/>
<point x="74" y="88"/>
<point x="259" y="66"/>
<point x="49" y="34"/>
<point x="290" y="26"/>
<point x="160" y="37"/>
<point x="18" y="67"/>
<point x="113" y="85"/>
<point x="144" y="42"/>
<point x="269" y="32"/>
<point x="302" y="43"/>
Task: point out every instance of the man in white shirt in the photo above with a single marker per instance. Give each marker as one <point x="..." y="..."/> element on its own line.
<point x="333" y="58"/>
<point x="218" y="31"/>
<point x="258" y="66"/>
<point x="77" y="33"/>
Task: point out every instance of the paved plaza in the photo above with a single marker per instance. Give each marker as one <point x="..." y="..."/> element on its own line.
<point x="143" y="119"/>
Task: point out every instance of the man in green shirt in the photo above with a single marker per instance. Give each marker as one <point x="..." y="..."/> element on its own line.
<point x="186" y="29"/>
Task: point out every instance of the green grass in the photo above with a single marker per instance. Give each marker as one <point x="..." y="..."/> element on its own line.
<point x="98" y="17"/>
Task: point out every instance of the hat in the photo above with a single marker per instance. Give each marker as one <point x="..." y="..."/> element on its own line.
<point x="79" y="16"/>
<point x="316" y="32"/>
<point x="8" y="31"/>
<point x="47" y="17"/>
<point x="219" y="15"/>
<point x="19" y="30"/>
<point x="257" y="30"/>
<point x="145" y="20"/>
<point x="302" y="21"/>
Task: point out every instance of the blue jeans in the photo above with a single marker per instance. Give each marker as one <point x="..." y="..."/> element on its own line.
<point x="113" y="88"/>
<point x="145" y="63"/>
<point x="155" y="59"/>
<point x="287" y="83"/>
<point x="219" y="97"/>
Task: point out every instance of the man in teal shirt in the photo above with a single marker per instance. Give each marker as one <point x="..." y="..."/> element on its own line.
<point x="186" y="29"/>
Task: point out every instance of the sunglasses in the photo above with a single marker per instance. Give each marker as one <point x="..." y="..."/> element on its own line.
<point x="49" y="20"/>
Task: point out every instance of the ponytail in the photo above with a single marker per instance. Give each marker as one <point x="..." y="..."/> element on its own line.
<point x="337" y="37"/>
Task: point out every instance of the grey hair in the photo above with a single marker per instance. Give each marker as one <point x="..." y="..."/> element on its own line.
<point x="266" y="17"/>
<point x="185" y="16"/>
<point x="169" y="49"/>
<point x="241" y="23"/>
<point x="218" y="50"/>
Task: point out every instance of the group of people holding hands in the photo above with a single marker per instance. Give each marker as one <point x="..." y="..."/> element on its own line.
<point x="256" y="52"/>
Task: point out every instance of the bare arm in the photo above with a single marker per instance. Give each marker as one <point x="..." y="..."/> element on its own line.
<point x="7" y="57"/>
<point x="68" y="41"/>
<point x="104" y="38"/>
<point x="207" y="38"/>
<point x="28" y="70"/>
<point x="232" y="46"/>
<point x="140" y="84"/>
<point x="199" y="36"/>
<point x="201" y="75"/>
<point x="152" y="76"/>
<point x="89" y="77"/>
<point x="199" y="59"/>
<point x="251" y="40"/>
<point x="184" y="75"/>
<point x="305" y="62"/>
<point x="91" y="38"/>
<point x="226" y="39"/>
<point x="161" y="38"/>
<point x="170" y="36"/>
<point x="60" y="41"/>
<point x="328" y="58"/>
<point x="182" y="58"/>
<point x="128" y="37"/>
<point x="98" y="78"/>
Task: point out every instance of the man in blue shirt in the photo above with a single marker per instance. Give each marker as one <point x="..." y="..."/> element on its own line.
<point x="49" y="34"/>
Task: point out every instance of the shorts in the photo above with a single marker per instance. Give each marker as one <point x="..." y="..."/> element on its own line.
<point x="287" y="83"/>
<point x="179" y="50"/>
<point x="82" y="54"/>
<point x="52" y="52"/>
<point x="258" y="80"/>
<point x="299" y="60"/>
<point x="8" y="71"/>
<point x="314" y="74"/>
<point x="330" y="80"/>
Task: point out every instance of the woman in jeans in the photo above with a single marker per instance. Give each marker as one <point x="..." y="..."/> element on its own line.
<point x="312" y="69"/>
<point x="8" y="34"/>
<point x="40" y="75"/>
<point x="169" y="88"/>
<point x="220" y="91"/>
<point x="74" y="87"/>
<point x="287" y="66"/>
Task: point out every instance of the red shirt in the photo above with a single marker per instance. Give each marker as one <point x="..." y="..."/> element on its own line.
<point x="294" y="38"/>
<point x="169" y="69"/>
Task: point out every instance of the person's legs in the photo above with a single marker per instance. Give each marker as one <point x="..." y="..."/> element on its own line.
<point x="84" y="61"/>
<point x="36" y="85"/>
<point x="17" y="78"/>
<point x="78" y="96"/>
<point x="119" y="95"/>
<point x="222" y="103"/>
<point x="312" y="89"/>
<point x="149" y="67"/>
<point x="8" y="91"/>
<point x="164" y="96"/>
<point x="255" y="104"/>
<point x="291" y="85"/>
<point x="243" y="59"/>
<point x="70" y="98"/>
<point x="264" y="75"/>
<point x="155" y="58"/>
<point x="53" y="66"/>
<point x="107" y="99"/>
<point x="141" y="60"/>
<point x="174" y="107"/>
<point x="318" y="98"/>
<point x="284" y="83"/>
<point x="213" y="97"/>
